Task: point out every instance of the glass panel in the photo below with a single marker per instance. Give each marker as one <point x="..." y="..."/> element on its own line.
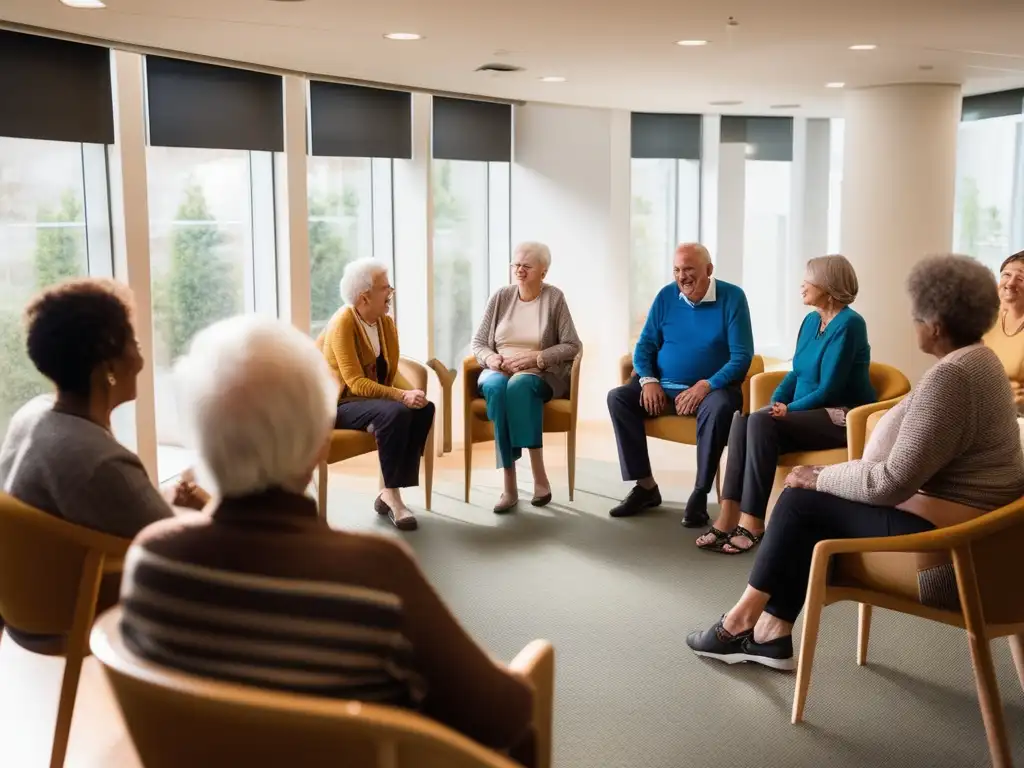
<point x="989" y="220"/>
<point x="665" y="212"/>
<point x="765" y="248"/>
<point x="837" y="134"/>
<point x="201" y="247"/>
<point x="460" y="255"/>
<point x="340" y="227"/>
<point x="42" y="241"/>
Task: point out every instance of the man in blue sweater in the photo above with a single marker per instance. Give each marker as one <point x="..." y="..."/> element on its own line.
<point x="690" y="360"/>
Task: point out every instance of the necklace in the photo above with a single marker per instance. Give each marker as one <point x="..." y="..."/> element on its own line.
<point x="1002" y="324"/>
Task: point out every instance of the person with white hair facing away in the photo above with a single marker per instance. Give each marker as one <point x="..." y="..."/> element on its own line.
<point x="258" y="590"/>
<point x="360" y="343"/>
<point x="526" y="342"/>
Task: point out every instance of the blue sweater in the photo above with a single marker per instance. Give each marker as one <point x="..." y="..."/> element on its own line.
<point x="830" y="370"/>
<point x="681" y="345"/>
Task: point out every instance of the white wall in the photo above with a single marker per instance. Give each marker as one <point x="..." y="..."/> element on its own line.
<point x="570" y="189"/>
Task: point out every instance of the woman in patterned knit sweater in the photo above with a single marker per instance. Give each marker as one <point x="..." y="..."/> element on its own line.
<point x="949" y="452"/>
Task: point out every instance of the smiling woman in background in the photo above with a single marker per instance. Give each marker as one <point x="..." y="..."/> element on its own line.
<point x="526" y="342"/>
<point x="1006" y="337"/>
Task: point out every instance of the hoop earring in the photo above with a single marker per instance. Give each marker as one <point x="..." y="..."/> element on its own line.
<point x="111" y="380"/>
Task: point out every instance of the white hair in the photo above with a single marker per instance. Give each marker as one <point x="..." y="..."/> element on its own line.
<point x="358" y="279"/>
<point x="699" y="248"/>
<point x="257" y="402"/>
<point x="537" y="251"/>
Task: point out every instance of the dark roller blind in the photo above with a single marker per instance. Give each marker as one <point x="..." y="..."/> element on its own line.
<point x="472" y="130"/>
<point x="203" y="105"/>
<point x="767" y="138"/>
<point x="353" y="121"/>
<point x="988" y="105"/>
<point x="53" y="89"/>
<point x="657" y="135"/>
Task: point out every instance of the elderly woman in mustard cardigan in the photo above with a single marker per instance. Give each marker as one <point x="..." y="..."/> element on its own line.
<point x="360" y="344"/>
<point x="526" y="343"/>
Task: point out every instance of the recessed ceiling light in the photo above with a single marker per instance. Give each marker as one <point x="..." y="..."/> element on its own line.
<point x="84" y="3"/>
<point x="552" y="79"/>
<point x="863" y="47"/>
<point x="785" y="106"/>
<point x="403" y="36"/>
<point x="691" y="43"/>
<point x="835" y="85"/>
<point x="725" y="103"/>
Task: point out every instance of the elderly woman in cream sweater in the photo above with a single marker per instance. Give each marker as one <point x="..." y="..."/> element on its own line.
<point x="526" y="342"/>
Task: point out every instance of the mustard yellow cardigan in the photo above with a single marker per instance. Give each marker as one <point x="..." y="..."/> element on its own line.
<point x="348" y="351"/>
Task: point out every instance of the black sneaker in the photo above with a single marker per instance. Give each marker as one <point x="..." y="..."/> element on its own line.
<point x="696" y="514"/>
<point x="777" y="653"/>
<point x="717" y="643"/>
<point x="637" y="501"/>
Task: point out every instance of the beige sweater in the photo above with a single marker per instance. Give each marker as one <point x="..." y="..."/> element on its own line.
<point x="957" y="440"/>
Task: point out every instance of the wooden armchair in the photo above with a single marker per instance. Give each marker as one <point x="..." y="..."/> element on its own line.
<point x="232" y="724"/>
<point x="349" y="443"/>
<point x="559" y="416"/>
<point x="50" y="575"/>
<point x="913" y="574"/>
<point x="683" y="429"/>
<point x="890" y="385"/>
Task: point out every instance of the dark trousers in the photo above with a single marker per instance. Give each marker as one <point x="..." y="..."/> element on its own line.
<point x="800" y="520"/>
<point x="714" y="415"/>
<point x="755" y="442"/>
<point x="400" y="431"/>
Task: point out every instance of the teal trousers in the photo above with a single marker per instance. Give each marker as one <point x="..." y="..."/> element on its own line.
<point x="516" y="408"/>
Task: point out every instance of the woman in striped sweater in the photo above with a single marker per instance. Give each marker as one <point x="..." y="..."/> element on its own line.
<point x="947" y="453"/>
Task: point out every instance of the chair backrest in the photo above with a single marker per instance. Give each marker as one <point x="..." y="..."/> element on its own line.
<point x="177" y="719"/>
<point x="411" y="374"/>
<point x="45" y="562"/>
<point x="889" y="382"/>
<point x="996" y="557"/>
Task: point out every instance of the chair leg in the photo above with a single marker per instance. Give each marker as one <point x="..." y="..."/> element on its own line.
<point x="809" y="637"/>
<point x="863" y="632"/>
<point x="570" y="456"/>
<point x="428" y="470"/>
<point x="1017" y="649"/>
<point x="321" y="490"/>
<point x="467" y="453"/>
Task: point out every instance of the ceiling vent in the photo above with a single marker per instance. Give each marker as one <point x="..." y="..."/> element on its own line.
<point x="498" y="67"/>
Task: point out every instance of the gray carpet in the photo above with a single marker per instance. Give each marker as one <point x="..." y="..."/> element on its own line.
<point x="617" y="597"/>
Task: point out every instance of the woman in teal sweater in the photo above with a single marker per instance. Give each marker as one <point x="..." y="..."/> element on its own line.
<point x="808" y="411"/>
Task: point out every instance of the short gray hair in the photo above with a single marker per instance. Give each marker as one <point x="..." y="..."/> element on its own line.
<point x="358" y="278"/>
<point x="836" y="276"/>
<point x="258" y="402"/>
<point x="698" y="248"/>
<point x="957" y="292"/>
<point x="538" y="251"/>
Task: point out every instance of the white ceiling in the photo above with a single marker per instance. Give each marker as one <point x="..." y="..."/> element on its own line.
<point x="614" y="53"/>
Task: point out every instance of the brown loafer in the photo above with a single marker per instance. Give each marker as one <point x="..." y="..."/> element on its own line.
<point x="407" y="523"/>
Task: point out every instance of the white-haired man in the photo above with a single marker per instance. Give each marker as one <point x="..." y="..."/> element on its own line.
<point x="258" y="590"/>
<point x="691" y="358"/>
<point x="360" y="344"/>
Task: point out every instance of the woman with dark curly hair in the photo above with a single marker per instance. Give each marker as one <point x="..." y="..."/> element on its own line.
<point x="59" y="454"/>
<point x="949" y="452"/>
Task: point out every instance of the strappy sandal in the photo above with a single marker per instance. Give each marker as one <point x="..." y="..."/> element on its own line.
<point x="721" y="539"/>
<point x="739" y="530"/>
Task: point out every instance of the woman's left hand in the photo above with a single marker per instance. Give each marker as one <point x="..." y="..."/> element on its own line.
<point x="521" y="362"/>
<point x="779" y="410"/>
<point x="803" y="477"/>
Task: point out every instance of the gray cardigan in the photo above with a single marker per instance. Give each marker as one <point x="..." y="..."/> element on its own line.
<point x="558" y="338"/>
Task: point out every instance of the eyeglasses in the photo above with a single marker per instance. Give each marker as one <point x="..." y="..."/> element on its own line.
<point x="518" y="265"/>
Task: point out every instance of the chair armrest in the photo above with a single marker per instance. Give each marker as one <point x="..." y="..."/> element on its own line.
<point x="471" y="371"/>
<point x="574" y="386"/>
<point x="625" y="369"/>
<point x="446" y="376"/>
<point x="857" y="425"/>
<point x="413" y="372"/>
<point x="762" y="386"/>
<point x="536" y="662"/>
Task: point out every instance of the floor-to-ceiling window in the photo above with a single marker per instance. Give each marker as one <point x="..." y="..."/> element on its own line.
<point x="664" y="202"/>
<point x="54" y="207"/>
<point x="471" y="176"/>
<point x="837" y="138"/>
<point x="212" y="216"/>
<point x="989" y="212"/>
<point x="356" y="133"/>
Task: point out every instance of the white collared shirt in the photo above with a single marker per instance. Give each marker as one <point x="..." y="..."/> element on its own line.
<point x="709" y="297"/>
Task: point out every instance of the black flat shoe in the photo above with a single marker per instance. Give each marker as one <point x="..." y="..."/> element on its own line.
<point x="717" y="643"/>
<point x="541" y="501"/>
<point x="696" y="514"/>
<point x="407" y="523"/>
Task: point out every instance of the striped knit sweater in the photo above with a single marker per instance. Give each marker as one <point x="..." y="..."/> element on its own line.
<point x="262" y="592"/>
<point x="957" y="440"/>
